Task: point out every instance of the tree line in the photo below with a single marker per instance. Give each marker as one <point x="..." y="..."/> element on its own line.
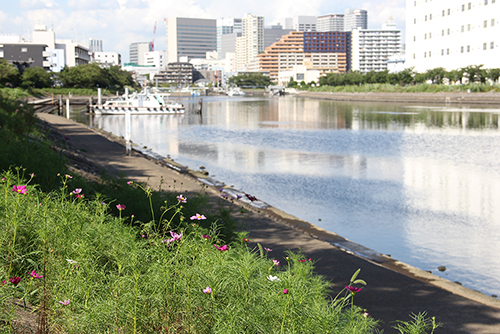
<point x="82" y="76"/>
<point x="473" y="73"/>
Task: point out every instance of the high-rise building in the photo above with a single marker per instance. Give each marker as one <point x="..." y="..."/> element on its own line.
<point x="227" y="26"/>
<point x="137" y="51"/>
<point x="371" y="48"/>
<point x="273" y="34"/>
<point x="355" y="18"/>
<point x="304" y="23"/>
<point x="452" y="34"/>
<point x="191" y="38"/>
<point x="330" y="22"/>
<point x="94" y="45"/>
<point x="251" y="43"/>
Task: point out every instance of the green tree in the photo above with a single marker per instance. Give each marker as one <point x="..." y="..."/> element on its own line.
<point x="250" y="79"/>
<point x="493" y="74"/>
<point x="475" y="73"/>
<point x="7" y="72"/>
<point x="84" y="76"/>
<point x="406" y="76"/>
<point x="455" y="75"/>
<point x="436" y="75"/>
<point x="119" y="78"/>
<point x="36" y="77"/>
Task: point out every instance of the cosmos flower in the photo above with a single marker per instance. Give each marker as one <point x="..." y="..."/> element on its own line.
<point x="207" y="290"/>
<point x="198" y="217"/>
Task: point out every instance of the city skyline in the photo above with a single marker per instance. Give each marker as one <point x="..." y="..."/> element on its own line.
<point x="81" y="20"/>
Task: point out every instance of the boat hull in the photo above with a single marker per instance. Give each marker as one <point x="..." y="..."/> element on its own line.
<point x="122" y="110"/>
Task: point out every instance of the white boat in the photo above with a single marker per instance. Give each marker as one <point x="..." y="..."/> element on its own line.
<point x="235" y="91"/>
<point x="143" y="103"/>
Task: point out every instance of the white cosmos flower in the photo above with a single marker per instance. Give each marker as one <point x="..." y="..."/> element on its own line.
<point x="71" y="261"/>
<point x="273" y="278"/>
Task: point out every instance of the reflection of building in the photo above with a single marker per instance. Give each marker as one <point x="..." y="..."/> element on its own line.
<point x="452" y="34"/>
<point x="189" y="37"/>
<point x="371" y="48"/>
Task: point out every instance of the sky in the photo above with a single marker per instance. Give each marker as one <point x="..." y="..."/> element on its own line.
<point x="118" y="23"/>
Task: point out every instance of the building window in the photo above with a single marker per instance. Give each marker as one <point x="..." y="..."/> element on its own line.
<point x="442" y="52"/>
<point x="463" y="8"/>
<point x="485" y="2"/>
<point x="425" y="36"/>
<point x="463" y="29"/>
<point x="448" y="31"/>
<point x="414" y="21"/>
<point x="429" y="53"/>
<point x="430" y="16"/>
<point x="442" y="32"/>
<point x="469" y="6"/>
<point x="449" y="11"/>
<point x="414" y="38"/>
<point x="468" y="27"/>
<point x="415" y="3"/>
<point x="468" y="48"/>
<point x="484" y="46"/>
<point x="24" y="49"/>
<point x="426" y="17"/>
<point x="443" y="12"/>
<point x="492" y="23"/>
<point x="485" y="24"/>
<point x="461" y="49"/>
<point x="492" y="44"/>
<point x="425" y="54"/>
<point x="430" y="35"/>
<point x="413" y="56"/>
<point x="447" y="51"/>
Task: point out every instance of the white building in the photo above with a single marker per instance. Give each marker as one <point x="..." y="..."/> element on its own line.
<point x="156" y="59"/>
<point x="107" y="59"/>
<point x="371" y="48"/>
<point x="251" y="43"/>
<point x="330" y="22"/>
<point x="452" y="34"/>
<point x="396" y="63"/>
<point x="137" y="51"/>
<point x="304" y="23"/>
<point x="225" y="26"/>
<point x="75" y="53"/>
<point x="298" y="73"/>
<point x="94" y="45"/>
<point x="355" y="19"/>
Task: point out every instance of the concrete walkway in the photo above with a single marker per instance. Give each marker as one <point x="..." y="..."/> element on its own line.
<point x="394" y="289"/>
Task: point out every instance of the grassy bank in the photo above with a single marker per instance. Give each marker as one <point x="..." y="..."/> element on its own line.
<point x="115" y="256"/>
<point x="418" y="88"/>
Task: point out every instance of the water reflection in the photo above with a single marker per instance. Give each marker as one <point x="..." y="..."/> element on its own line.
<point x="419" y="183"/>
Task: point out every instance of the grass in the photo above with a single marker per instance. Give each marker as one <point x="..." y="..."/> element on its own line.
<point x="84" y="266"/>
<point x="418" y="88"/>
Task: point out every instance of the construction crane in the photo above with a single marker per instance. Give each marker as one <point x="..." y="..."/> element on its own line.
<point x="152" y="44"/>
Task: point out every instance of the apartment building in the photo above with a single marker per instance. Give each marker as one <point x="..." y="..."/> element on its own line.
<point x="107" y="59"/>
<point x="304" y="23"/>
<point x="355" y="19"/>
<point x="251" y="43"/>
<point x="326" y="51"/>
<point x="190" y="37"/>
<point x="227" y="26"/>
<point x="371" y="48"/>
<point x="137" y="51"/>
<point x="452" y="33"/>
<point x="330" y="22"/>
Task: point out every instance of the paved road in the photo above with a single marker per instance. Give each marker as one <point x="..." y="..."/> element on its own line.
<point x="394" y="290"/>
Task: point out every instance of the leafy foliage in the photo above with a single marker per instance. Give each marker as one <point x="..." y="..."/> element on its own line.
<point x="250" y="79"/>
<point x="36" y="77"/>
<point x="7" y="72"/>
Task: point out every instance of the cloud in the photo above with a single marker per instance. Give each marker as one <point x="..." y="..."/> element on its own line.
<point x="38" y="4"/>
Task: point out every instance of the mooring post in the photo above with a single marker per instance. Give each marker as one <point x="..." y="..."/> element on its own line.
<point x="128" y="150"/>
<point x="99" y="97"/>
<point x="67" y="108"/>
<point x="60" y="105"/>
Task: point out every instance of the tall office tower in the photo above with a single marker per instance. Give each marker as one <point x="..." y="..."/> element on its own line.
<point x="227" y="26"/>
<point x="95" y="45"/>
<point x="371" y="48"/>
<point x="305" y="23"/>
<point x="330" y="22"/>
<point x="355" y="18"/>
<point x="137" y="51"/>
<point x="452" y="34"/>
<point x="191" y="38"/>
<point x="251" y="42"/>
<point x="273" y="34"/>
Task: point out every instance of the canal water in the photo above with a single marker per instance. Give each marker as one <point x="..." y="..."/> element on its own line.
<point x="419" y="183"/>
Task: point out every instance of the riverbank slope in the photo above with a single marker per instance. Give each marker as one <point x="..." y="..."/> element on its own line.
<point x="394" y="290"/>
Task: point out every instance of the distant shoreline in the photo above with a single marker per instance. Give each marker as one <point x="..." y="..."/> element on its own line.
<point x="488" y="98"/>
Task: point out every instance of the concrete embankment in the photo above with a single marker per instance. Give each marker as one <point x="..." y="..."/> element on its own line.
<point x="489" y="98"/>
<point x="394" y="289"/>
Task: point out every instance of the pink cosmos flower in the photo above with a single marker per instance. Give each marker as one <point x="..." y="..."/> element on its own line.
<point x="303" y="260"/>
<point x="32" y="175"/>
<point x="175" y="237"/>
<point x="285" y="291"/>
<point x="353" y="289"/>
<point x="120" y="207"/>
<point x="246" y="240"/>
<point x="76" y="191"/>
<point x="198" y="217"/>
<point x="3" y="179"/>
<point x="268" y="249"/>
<point x="35" y="275"/>
<point x="69" y="176"/>
<point x="79" y="195"/>
<point x="130" y="182"/>
<point x="207" y="290"/>
<point x="15" y="280"/>
<point x="222" y="248"/>
<point x="206" y="236"/>
<point x="182" y="199"/>
<point x="277" y="263"/>
<point x="20" y="190"/>
<point x="3" y="282"/>
<point x="65" y="302"/>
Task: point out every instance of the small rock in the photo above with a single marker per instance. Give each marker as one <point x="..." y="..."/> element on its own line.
<point x="202" y="167"/>
<point x="442" y="268"/>
<point x="319" y="219"/>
